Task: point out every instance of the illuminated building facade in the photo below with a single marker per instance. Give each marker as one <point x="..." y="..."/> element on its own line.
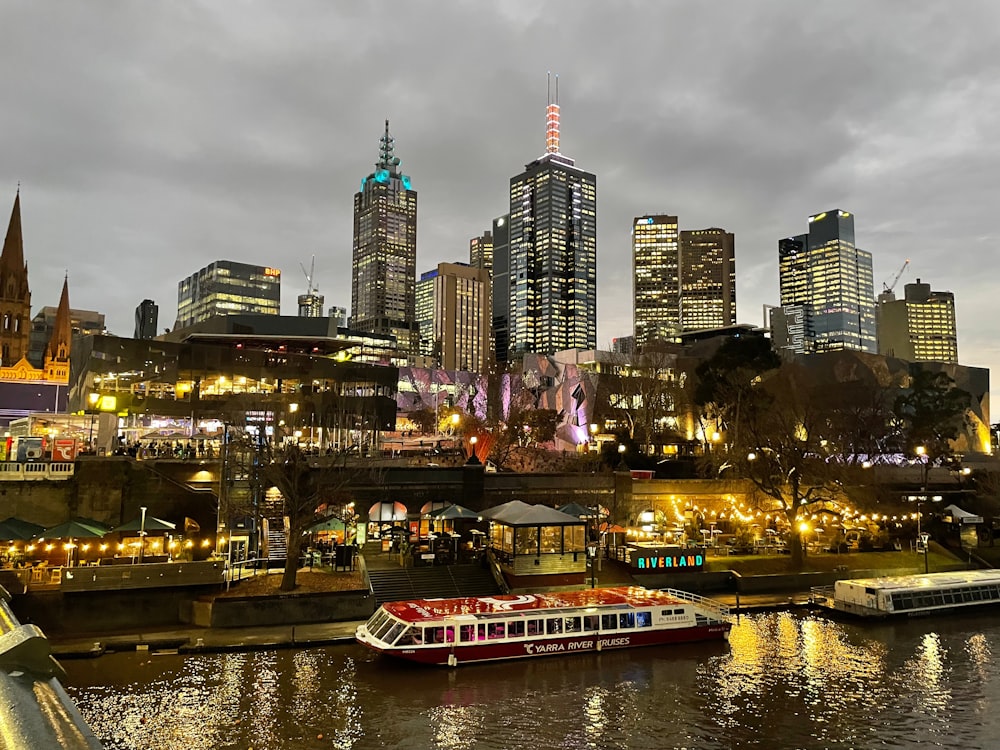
<point x="920" y="327"/>
<point x="226" y="287"/>
<point x="481" y="252"/>
<point x="461" y="317"/>
<point x="656" y="289"/>
<point x="707" y="279"/>
<point x="425" y="313"/>
<point x="383" y="282"/>
<point x="552" y="285"/>
<point x="826" y="280"/>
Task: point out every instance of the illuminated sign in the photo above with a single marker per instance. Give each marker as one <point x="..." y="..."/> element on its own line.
<point x="272" y="272"/>
<point x="678" y="561"/>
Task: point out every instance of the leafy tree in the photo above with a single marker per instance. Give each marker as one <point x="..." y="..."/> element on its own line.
<point x="931" y="413"/>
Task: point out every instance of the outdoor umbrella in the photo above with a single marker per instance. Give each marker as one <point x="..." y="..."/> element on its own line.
<point x="580" y="511"/>
<point x="15" y="530"/>
<point x="455" y="513"/>
<point x="74" y="529"/>
<point x="152" y="524"/>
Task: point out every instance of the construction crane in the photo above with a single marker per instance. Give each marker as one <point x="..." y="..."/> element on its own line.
<point x="310" y="287"/>
<point x="887" y="288"/>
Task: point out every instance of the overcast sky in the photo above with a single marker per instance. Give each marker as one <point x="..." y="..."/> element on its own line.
<point x="151" y="138"/>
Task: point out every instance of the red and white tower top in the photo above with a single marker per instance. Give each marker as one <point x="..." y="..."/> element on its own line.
<point x="552" y="118"/>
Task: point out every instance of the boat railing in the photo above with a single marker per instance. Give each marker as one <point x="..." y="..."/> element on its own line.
<point x="701" y="601"/>
<point x="820" y="594"/>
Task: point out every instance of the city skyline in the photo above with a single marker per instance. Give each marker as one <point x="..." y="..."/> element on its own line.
<point x="142" y="159"/>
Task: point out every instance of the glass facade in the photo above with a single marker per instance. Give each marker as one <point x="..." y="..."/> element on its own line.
<point x="829" y="280"/>
<point x="226" y="287"/>
<point x="656" y="287"/>
<point x="921" y="327"/>
<point x="707" y="279"/>
<point x="383" y="282"/>
<point x="552" y="286"/>
<point x="481" y="252"/>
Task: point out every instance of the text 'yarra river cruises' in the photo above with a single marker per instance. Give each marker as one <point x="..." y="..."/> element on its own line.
<point x="512" y="626"/>
<point x="912" y="594"/>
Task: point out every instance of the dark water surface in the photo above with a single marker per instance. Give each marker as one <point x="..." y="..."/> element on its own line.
<point x="783" y="681"/>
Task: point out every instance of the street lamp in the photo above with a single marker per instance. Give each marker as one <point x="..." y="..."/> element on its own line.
<point x="142" y="531"/>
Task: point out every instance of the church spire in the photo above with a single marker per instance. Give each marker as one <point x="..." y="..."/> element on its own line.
<point x="62" y="332"/>
<point x="13" y="244"/>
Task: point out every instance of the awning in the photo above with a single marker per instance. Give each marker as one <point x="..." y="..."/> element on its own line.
<point x="387" y="512"/>
<point x="962" y="516"/>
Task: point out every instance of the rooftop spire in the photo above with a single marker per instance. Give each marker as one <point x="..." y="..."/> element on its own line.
<point x="13" y="245"/>
<point x="386" y="159"/>
<point x="58" y="348"/>
<point x="552" y="118"/>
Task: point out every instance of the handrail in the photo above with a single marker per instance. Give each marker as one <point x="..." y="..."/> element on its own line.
<point x="36" y="709"/>
<point x="494" y="566"/>
<point x="702" y="601"/>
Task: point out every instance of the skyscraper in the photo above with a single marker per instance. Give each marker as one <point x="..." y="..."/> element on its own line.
<point x="461" y="317"/>
<point x="226" y="287"/>
<point x="826" y="288"/>
<point x="920" y="327"/>
<point x="383" y="284"/>
<point x="552" y="288"/>
<point x="481" y="252"/>
<point x="146" y="319"/>
<point x="501" y="288"/>
<point x="425" y="314"/>
<point x="655" y="278"/>
<point x="707" y="279"/>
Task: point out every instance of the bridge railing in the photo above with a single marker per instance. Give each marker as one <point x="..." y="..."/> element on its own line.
<point x="35" y="708"/>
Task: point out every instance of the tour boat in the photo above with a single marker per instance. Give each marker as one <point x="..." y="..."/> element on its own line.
<point x="911" y="594"/>
<point x="517" y="626"/>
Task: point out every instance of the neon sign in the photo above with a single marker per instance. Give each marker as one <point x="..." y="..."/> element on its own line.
<point x="672" y="561"/>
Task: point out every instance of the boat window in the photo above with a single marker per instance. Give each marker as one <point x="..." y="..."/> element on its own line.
<point x="382" y="629"/>
<point x="482" y="632"/>
<point x="626" y="620"/>
<point x="467" y="633"/>
<point x="412" y="637"/>
<point x="644" y="619"/>
<point x="495" y="631"/>
<point x="609" y="622"/>
<point x="553" y="625"/>
<point x="377" y="620"/>
<point x="515" y="629"/>
<point x="536" y="627"/>
<point x="434" y="635"/>
<point x="394" y="632"/>
<point x="572" y="624"/>
<point x="591" y="622"/>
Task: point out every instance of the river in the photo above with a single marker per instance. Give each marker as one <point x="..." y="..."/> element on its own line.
<point x="785" y="680"/>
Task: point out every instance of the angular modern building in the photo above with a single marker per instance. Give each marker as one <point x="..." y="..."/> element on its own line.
<point x="707" y="279"/>
<point x="552" y="286"/>
<point x="226" y="287"/>
<point x="383" y="281"/>
<point x="147" y="316"/>
<point x="826" y="288"/>
<point x="920" y="327"/>
<point x="656" y="288"/>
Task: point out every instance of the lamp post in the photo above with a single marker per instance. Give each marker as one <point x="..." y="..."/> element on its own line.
<point x="142" y="531"/>
<point x="592" y="560"/>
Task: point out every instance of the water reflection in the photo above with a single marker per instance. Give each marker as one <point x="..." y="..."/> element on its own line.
<point x="783" y="681"/>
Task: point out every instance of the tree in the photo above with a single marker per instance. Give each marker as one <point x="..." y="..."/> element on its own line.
<point x="783" y="450"/>
<point x="723" y="382"/>
<point x="931" y="413"/>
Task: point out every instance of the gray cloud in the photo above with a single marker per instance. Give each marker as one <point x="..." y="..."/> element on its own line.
<point x="152" y="138"/>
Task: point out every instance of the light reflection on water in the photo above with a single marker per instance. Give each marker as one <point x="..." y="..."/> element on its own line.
<point x="784" y="680"/>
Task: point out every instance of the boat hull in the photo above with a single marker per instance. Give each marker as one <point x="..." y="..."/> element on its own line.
<point x="470" y="653"/>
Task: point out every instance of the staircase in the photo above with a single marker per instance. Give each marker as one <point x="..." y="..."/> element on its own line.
<point x="439" y="581"/>
<point x="277" y="542"/>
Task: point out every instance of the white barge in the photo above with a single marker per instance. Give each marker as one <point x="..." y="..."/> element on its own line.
<point x="912" y="594"/>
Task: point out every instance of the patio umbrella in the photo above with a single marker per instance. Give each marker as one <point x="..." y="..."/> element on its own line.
<point x="152" y="524"/>
<point x="15" y="530"/>
<point x="74" y="529"/>
<point x="456" y="513"/>
<point x="580" y="511"/>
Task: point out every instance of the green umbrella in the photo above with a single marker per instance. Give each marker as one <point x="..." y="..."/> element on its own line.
<point x="16" y="530"/>
<point x="74" y="529"/>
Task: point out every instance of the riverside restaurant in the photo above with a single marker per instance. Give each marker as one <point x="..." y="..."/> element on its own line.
<point x="536" y="545"/>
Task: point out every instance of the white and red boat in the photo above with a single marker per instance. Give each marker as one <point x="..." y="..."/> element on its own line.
<point x="511" y="626"/>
